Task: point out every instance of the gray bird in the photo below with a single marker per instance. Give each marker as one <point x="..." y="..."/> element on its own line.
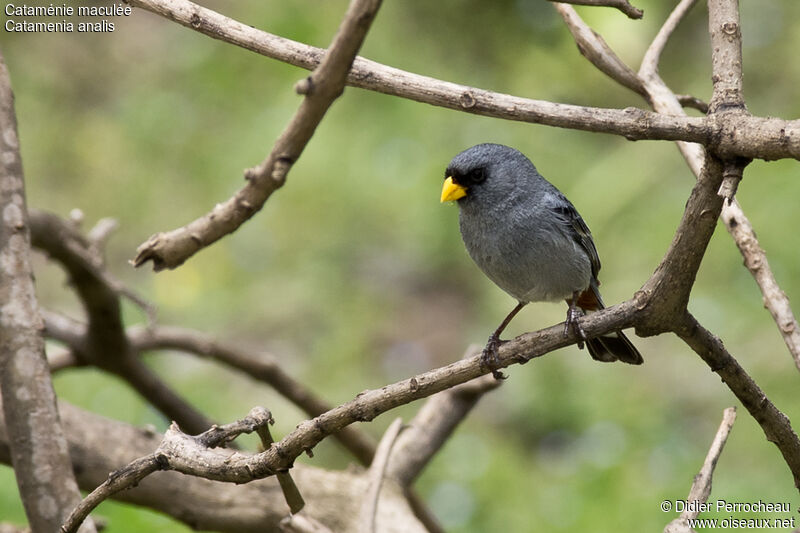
<point x="525" y="235"/>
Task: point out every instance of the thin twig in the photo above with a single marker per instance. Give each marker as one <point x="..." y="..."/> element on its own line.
<point x="290" y="491"/>
<point x="264" y="367"/>
<point x="693" y="102"/>
<point x="321" y="88"/>
<point x="701" y="486"/>
<point x="594" y="48"/>
<point x="174" y="443"/>
<point x="121" y="479"/>
<point x="755" y="259"/>
<point x="623" y="5"/>
<point x="652" y="56"/>
<point x="375" y="476"/>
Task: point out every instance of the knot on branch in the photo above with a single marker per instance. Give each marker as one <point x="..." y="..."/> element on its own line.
<point x="304" y="86"/>
<point x="467" y="100"/>
<point x="732" y="31"/>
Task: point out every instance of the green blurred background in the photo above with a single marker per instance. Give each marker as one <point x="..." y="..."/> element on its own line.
<point x="354" y="275"/>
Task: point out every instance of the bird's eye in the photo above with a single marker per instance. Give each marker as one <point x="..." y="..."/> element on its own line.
<point x="476" y="175"/>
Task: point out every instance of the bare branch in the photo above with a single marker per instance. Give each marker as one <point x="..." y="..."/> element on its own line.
<point x="322" y="87"/>
<point x="737" y="224"/>
<point x="755" y="259"/>
<point x="67" y="331"/>
<point x="701" y="487"/>
<point x="726" y="55"/>
<point x="674" y="277"/>
<point x="687" y="100"/>
<point x="290" y="491"/>
<point x="60" y="359"/>
<point x="121" y="479"/>
<point x="622" y="5"/>
<point x="434" y="424"/>
<point x="751" y="137"/>
<point x="258" y="365"/>
<point x="377" y="471"/>
<point x="594" y="48"/>
<point x="174" y="442"/>
<point x="264" y="367"/>
<point x="104" y="343"/>
<point x="37" y="444"/>
<point x="774" y="423"/>
<point x="659" y="306"/>
<point x="652" y="56"/>
<point x="99" y="445"/>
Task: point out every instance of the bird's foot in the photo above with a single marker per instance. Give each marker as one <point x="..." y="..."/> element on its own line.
<point x="489" y="357"/>
<point x="574" y="315"/>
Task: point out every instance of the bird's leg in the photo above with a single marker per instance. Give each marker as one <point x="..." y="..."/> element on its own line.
<point x="489" y="354"/>
<point x="574" y="313"/>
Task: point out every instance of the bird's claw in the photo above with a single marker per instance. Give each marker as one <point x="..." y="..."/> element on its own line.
<point x="489" y="357"/>
<point x="573" y="321"/>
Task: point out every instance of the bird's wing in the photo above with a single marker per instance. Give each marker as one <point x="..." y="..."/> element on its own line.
<point x="576" y="227"/>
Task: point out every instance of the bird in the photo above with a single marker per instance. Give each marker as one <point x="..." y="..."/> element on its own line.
<point x="528" y="239"/>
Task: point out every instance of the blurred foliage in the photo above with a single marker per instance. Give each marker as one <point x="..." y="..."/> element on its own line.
<point x="355" y="276"/>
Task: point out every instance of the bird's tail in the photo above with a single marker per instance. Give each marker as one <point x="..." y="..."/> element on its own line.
<point x="613" y="346"/>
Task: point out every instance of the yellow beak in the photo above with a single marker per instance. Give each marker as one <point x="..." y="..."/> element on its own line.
<point x="452" y="191"/>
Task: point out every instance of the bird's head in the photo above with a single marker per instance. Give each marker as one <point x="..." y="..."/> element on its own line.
<point x="486" y="172"/>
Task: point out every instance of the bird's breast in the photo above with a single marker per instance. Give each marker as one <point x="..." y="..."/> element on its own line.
<point x="530" y="260"/>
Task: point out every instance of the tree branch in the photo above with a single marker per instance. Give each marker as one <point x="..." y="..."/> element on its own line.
<point x="37" y="443"/>
<point x="659" y="306"/>
<point x="290" y="491"/>
<point x="434" y="424"/>
<point x="736" y="222"/>
<point x="321" y="88"/>
<point x="774" y="423"/>
<point x="260" y="366"/>
<point x="755" y="259"/>
<point x="701" y="487"/>
<point x="264" y="367"/>
<point x="726" y="56"/>
<point x="174" y="442"/>
<point x="751" y="137"/>
<point x="100" y="445"/>
<point x="369" y="404"/>
<point x="104" y="342"/>
<point x="669" y="287"/>
<point x="652" y="56"/>
<point x="622" y="5"/>
<point x="376" y="475"/>
<point x="594" y="48"/>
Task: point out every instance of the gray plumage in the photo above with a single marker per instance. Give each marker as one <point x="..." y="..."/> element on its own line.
<point x="525" y="235"/>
